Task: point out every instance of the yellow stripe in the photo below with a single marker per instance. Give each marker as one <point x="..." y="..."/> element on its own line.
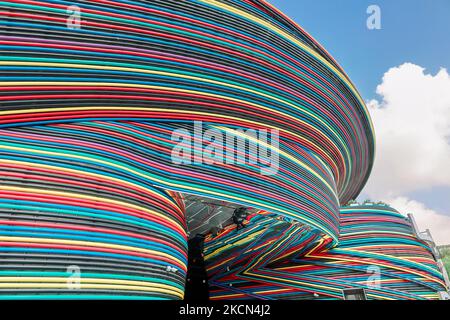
<point x="87" y="286"/>
<point x="65" y="280"/>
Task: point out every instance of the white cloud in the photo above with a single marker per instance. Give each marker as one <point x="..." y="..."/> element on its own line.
<point x="438" y="224"/>
<point x="412" y="126"/>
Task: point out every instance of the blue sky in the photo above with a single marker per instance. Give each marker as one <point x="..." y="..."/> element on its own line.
<point x="415" y="32"/>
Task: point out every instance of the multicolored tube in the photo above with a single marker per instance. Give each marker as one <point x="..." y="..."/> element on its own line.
<point x="92" y="93"/>
<point x="378" y="252"/>
<point x="230" y="64"/>
<point x="75" y="223"/>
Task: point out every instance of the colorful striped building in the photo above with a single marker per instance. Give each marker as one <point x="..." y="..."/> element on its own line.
<point x="92" y="205"/>
<point x="378" y="254"/>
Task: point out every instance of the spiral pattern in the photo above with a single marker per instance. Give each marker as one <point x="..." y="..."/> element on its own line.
<point x="274" y="259"/>
<point x="92" y="93"/>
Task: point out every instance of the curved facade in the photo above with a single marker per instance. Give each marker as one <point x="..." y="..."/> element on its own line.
<point x="378" y="252"/>
<point x="91" y="95"/>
